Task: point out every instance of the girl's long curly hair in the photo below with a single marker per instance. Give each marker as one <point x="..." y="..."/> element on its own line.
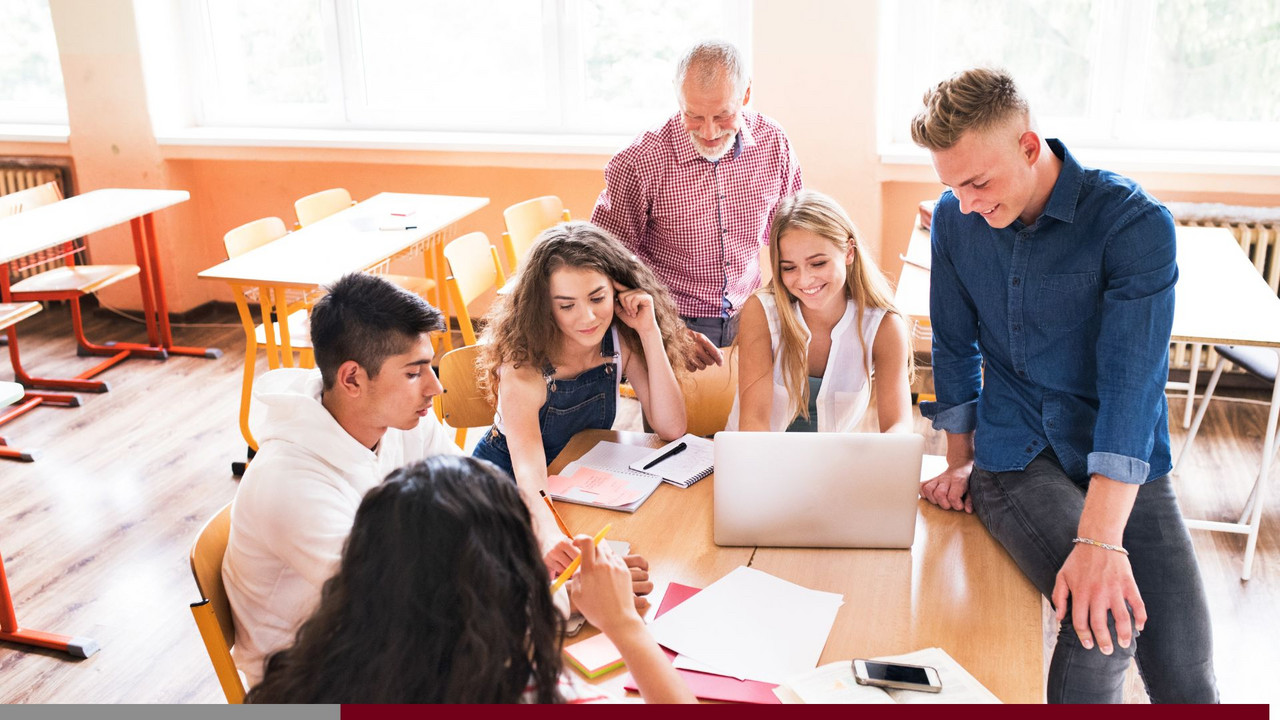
<point x="521" y="329"/>
<point x="441" y="596"/>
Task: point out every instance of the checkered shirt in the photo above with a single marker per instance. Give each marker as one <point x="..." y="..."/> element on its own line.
<point x="699" y="224"/>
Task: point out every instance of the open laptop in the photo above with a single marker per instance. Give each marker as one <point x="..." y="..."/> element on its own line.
<point x="839" y="490"/>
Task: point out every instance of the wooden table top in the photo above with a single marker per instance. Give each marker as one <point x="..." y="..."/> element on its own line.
<point x="351" y="240"/>
<point x="34" y="230"/>
<point x="1221" y="297"/>
<point x="955" y="589"/>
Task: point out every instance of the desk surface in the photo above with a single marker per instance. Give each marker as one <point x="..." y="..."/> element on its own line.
<point x="955" y="589"/>
<point x="324" y="251"/>
<point x="1221" y="296"/>
<point x="34" y="230"/>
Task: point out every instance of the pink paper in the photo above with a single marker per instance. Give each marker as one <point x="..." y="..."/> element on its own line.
<point x="593" y="485"/>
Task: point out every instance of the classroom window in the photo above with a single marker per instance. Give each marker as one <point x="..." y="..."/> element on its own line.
<point x="1141" y="74"/>
<point x="30" y="75"/>
<point x="550" y="66"/>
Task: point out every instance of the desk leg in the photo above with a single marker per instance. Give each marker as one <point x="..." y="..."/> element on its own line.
<point x="11" y="632"/>
<point x="161" y="307"/>
<point x="442" y="297"/>
<point x="1191" y="385"/>
<point x="1260" y="487"/>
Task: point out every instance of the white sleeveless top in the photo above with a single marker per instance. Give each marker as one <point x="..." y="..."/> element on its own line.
<point x="845" y="392"/>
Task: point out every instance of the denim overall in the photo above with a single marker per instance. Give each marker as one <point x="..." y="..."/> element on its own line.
<point x="586" y="402"/>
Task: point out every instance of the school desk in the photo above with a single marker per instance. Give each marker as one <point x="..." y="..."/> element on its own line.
<point x="955" y="588"/>
<point x="1221" y="299"/>
<point x="348" y="241"/>
<point x="29" y="232"/>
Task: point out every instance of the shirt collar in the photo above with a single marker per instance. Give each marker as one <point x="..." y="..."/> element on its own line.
<point x="1066" y="191"/>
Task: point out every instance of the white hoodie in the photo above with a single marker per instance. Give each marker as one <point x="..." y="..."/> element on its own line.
<point x="295" y="506"/>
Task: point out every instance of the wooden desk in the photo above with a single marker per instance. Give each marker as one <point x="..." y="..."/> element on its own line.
<point x="322" y="252"/>
<point x="955" y="589"/>
<point x="1221" y="299"/>
<point x="29" y="232"/>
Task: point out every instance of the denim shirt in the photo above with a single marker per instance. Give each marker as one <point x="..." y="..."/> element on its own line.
<point x="1056" y="334"/>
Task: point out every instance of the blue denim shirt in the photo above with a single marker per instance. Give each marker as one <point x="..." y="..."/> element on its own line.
<point x="1057" y="333"/>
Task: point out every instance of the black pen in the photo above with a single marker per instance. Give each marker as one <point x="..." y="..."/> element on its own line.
<point x="670" y="453"/>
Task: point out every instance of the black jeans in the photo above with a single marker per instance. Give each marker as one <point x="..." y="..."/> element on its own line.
<point x="1034" y="513"/>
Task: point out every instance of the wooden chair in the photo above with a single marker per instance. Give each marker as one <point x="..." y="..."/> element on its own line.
<point x="68" y="282"/>
<point x="525" y="221"/>
<point x="474" y="267"/>
<point x="708" y="396"/>
<point x="238" y="241"/>
<point x="320" y="205"/>
<point x="462" y="404"/>
<point x="12" y="393"/>
<point x="213" y="612"/>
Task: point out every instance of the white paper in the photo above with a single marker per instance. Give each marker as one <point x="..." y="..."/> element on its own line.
<point x="931" y="466"/>
<point x="750" y="624"/>
<point x="958" y="686"/>
<point x="831" y="684"/>
<point x="681" y="469"/>
<point x="834" y="683"/>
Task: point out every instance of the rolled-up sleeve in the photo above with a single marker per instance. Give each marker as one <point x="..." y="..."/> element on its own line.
<point x="1140" y="272"/>
<point x="957" y="361"/>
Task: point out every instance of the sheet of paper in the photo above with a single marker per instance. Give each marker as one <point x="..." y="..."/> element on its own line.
<point x="958" y="686"/>
<point x="831" y="684"/>
<point x="751" y="625"/>
<point x="615" y="457"/>
<point x="590" y="485"/>
<point x="698" y="455"/>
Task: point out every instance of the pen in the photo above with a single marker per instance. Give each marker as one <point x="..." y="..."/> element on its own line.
<point x="573" y="566"/>
<point x="670" y="453"/>
<point x="559" y="520"/>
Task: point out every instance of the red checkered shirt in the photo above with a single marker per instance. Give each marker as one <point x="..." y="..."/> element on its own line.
<point x="699" y="224"/>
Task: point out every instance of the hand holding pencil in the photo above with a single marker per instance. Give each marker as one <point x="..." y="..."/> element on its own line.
<point x="602" y="589"/>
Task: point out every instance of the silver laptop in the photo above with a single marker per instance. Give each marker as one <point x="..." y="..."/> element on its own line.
<point x="839" y="490"/>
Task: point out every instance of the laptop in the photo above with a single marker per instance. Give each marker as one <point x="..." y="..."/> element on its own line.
<point x="837" y="490"/>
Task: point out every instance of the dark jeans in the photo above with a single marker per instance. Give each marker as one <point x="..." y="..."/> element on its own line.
<point x="1034" y="513"/>
<point x="720" y="331"/>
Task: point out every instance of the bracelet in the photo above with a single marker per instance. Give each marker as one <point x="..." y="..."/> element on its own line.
<point x="1102" y="545"/>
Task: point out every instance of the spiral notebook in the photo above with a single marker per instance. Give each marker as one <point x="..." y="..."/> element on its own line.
<point x="684" y="468"/>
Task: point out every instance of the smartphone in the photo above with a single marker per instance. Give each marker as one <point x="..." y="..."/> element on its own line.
<point x="896" y="676"/>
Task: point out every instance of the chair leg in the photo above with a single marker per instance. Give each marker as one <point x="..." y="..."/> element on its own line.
<point x="246" y="391"/>
<point x="1204" y="405"/>
<point x="1260" y="487"/>
<point x="1191" y="385"/>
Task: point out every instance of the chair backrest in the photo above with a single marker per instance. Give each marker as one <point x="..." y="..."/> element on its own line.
<point x="318" y="206"/>
<point x="213" y="613"/>
<point x="474" y="265"/>
<point x="708" y="396"/>
<point x="525" y="221"/>
<point x="250" y="235"/>
<point x="463" y="403"/>
<point x="32" y="197"/>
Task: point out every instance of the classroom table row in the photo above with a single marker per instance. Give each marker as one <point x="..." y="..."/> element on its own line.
<point x="955" y="589"/>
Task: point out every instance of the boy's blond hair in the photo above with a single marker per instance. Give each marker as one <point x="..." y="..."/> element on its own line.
<point x="976" y="99"/>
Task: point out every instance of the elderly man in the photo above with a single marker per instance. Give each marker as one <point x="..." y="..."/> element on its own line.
<point x="694" y="198"/>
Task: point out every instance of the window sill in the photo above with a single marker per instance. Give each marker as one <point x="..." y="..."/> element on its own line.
<point x="17" y="133"/>
<point x="504" y="149"/>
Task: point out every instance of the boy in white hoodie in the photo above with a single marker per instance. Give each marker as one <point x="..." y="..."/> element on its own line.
<point x="327" y="436"/>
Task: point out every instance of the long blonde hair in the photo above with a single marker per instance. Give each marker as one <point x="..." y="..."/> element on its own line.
<point x="520" y="327"/>
<point x="864" y="284"/>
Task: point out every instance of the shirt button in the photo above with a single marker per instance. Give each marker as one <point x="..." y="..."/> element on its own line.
<point x="1017" y="327"/>
<point x="1050" y="423"/>
<point x="1029" y="448"/>
<point x="1017" y="282"/>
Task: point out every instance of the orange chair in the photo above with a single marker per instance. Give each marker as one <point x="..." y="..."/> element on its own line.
<point x="213" y="612"/>
<point x="525" y="221"/>
<point x="320" y="205"/>
<point x="462" y="405"/>
<point x="12" y="393"/>
<point x="474" y="267"/>
<point x="238" y="241"/>
<point x="69" y="282"/>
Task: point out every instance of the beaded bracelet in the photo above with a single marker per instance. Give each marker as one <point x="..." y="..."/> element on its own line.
<point x="1102" y="545"/>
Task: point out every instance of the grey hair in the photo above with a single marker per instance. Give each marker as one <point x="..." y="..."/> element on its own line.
<point x="711" y="61"/>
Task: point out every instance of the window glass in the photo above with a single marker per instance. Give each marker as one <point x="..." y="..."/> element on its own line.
<point x="30" y="75"/>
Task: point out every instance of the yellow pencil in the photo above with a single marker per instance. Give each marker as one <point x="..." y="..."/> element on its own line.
<point x="573" y="566"/>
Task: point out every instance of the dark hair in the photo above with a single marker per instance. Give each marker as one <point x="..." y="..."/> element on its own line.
<point x="441" y="596"/>
<point x="367" y="319"/>
<point x="521" y="325"/>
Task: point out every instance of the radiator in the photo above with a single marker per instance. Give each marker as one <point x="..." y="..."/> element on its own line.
<point x="1258" y="232"/>
<point x="19" y="174"/>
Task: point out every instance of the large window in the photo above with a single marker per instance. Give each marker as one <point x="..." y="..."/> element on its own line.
<point x="552" y="66"/>
<point x="1146" y="74"/>
<point x="30" y="75"/>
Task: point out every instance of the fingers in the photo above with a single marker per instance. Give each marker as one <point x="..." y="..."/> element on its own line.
<point x="642" y="604"/>
<point x="1139" y="608"/>
<point x="955" y="493"/>
<point x="1098" y="623"/>
<point x="587" y="548"/>
<point x="1059" y="597"/>
<point x="968" y="503"/>
<point x="1124" y="623"/>
<point x="636" y="561"/>
<point x="1080" y="620"/>
<point x="617" y="286"/>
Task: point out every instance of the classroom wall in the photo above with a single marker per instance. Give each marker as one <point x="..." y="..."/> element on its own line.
<point x="814" y="71"/>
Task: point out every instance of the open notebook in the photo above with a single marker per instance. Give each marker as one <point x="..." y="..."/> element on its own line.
<point x="602" y="478"/>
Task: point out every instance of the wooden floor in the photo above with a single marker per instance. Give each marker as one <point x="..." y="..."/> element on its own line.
<point x="96" y="533"/>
